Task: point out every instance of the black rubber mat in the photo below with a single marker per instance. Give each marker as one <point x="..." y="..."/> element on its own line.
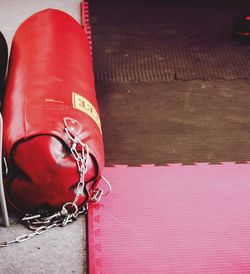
<point x="150" y="41"/>
<point x="3" y="57"/>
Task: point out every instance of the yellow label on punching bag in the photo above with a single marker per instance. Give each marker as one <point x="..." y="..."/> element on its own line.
<point x="82" y="104"/>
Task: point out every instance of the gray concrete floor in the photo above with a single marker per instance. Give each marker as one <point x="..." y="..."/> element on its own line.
<point x="62" y="250"/>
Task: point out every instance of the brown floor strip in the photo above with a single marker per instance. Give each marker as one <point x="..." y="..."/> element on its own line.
<point x="179" y="121"/>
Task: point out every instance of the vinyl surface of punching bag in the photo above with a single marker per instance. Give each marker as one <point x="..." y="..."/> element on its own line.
<point x="50" y="86"/>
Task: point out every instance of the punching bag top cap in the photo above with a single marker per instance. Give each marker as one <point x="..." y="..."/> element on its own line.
<point x="48" y="13"/>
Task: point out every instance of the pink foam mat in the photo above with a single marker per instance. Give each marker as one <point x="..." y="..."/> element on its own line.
<point x="172" y="219"/>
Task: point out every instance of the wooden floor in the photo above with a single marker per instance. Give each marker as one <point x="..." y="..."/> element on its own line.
<point x="177" y="121"/>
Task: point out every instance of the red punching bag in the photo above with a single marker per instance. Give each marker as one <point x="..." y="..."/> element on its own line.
<point x="52" y="131"/>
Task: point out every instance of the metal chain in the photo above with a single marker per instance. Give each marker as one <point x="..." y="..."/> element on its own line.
<point x="69" y="211"/>
<point x="41" y="225"/>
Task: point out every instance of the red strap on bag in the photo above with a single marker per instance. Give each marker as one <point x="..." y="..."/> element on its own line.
<point x="52" y="132"/>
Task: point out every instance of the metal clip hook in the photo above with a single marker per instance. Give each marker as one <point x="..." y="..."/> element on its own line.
<point x="97" y="195"/>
